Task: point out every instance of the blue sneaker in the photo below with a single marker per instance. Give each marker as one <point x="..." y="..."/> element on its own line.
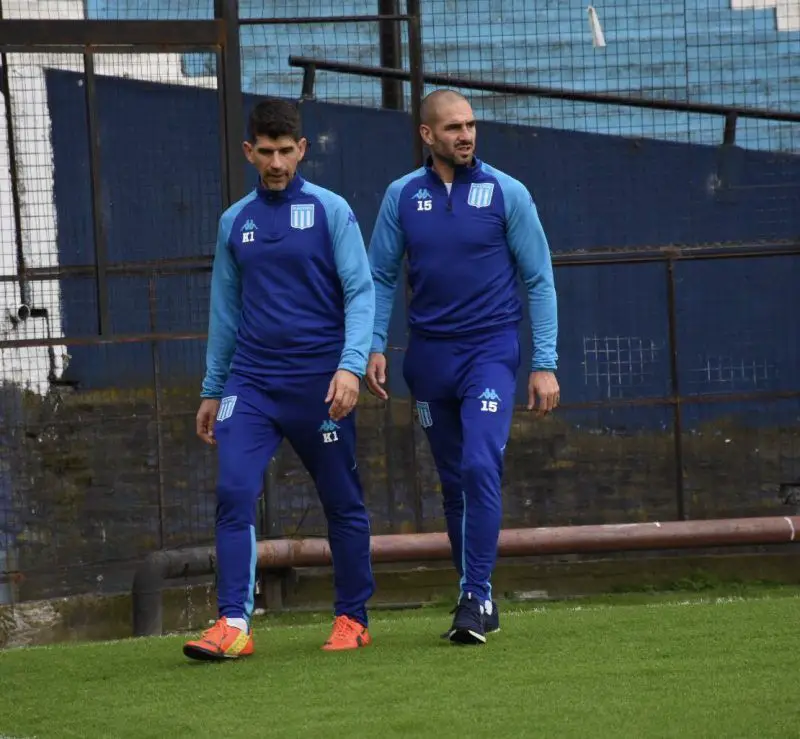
<point x="491" y="620"/>
<point x="468" y="625"/>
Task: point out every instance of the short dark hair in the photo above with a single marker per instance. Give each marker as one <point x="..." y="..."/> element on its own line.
<point x="274" y="117"/>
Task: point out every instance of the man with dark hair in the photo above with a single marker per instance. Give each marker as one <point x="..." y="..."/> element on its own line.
<point x="468" y="230"/>
<point x="292" y="309"/>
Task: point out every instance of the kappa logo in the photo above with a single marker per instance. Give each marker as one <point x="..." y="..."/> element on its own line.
<point x="226" y="406"/>
<point x="489" y="394"/>
<point x="423" y="198"/>
<point x="351" y="218"/>
<point x="489" y="400"/>
<point x="328" y="430"/>
<point x="248" y="231"/>
<point x="480" y="194"/>
<point x="302" y="216"/>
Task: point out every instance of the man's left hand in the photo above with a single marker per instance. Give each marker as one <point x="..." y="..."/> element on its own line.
<point x="343" y="391"/>
<point x="544" y="387"/>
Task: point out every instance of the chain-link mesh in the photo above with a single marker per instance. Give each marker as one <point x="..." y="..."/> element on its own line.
<point x="151" y="10"/>
<point x="30" y="310"/>
<point x="43" y="9"/>
<point x="266" y="50"/>
<point x="595" y="189"/>
<point x="101" y="462"/>
<point x="739" y="454"/>
<point x="109" y="9"/>
<point x="721" y="52"/>
<point x="728" y="54"/>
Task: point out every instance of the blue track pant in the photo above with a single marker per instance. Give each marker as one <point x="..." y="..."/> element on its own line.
<point x="253" y="420"/>
<point x="465" y="401"/>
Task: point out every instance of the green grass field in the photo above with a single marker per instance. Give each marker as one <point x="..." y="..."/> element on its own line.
<point x="643" y="666"/>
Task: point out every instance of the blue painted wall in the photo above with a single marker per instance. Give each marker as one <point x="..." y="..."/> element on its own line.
<point x="696" y="50"/>
<point x="161" y="196"/>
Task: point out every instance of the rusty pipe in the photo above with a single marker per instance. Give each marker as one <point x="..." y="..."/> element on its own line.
<point x="284" y="553"/>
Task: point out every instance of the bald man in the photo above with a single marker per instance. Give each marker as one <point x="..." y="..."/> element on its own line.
<point x="468" y="230"/>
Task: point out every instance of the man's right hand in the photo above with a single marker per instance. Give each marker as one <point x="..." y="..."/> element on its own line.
<point x="206" y="417"/>
<point x="376" y="375"/>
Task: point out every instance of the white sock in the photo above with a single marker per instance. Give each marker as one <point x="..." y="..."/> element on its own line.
<point x="237" y="623"/>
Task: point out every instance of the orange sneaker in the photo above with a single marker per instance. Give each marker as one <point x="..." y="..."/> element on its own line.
<point x="347" y="634"/>
<point x="221" y="641"/>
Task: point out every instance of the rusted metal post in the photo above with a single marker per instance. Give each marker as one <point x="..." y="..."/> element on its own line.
<point x="16" y="203"/>
<point x="231" y="102"/>
<point x="159" y="406"/>
<point x="677" y="410"/>
<point x="390" y="55"/>
<point x="417" y="78"/>
<point x="98" y="222"/>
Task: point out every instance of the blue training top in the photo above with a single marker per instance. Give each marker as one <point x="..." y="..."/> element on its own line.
<point x="291" y="292"/>
<point x="464" y="250"/>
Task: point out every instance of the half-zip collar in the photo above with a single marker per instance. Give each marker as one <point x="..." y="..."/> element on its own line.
<point x="292" y="191"/>
<point x="461" y="173"/>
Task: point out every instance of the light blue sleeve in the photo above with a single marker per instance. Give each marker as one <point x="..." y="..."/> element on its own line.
<point x="350" y="255"/>
<point x="386" y="250"/>
<point x="531" y="251"/>
<point x="226" y="309"/>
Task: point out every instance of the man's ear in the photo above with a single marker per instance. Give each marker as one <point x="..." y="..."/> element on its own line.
<point x="427" y="134"/>
<point x="302" y="145"/>
<point x="247" y="148"/>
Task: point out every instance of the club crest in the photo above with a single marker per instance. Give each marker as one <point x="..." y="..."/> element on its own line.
<point x="480" y="194"/>
<point x="302" y="216"/>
